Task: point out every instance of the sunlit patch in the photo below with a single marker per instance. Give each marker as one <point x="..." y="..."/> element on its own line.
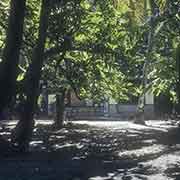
<point x="79" y="158"/>
<point x="56" y="137"/>
<point x="99" y="178"/>
<point x="158" y="177"/>
<point x="149" y="141"/>
<point x="9" y="123"/>
<point x="138" y="173"/>
<point x="164" y="162"/>
<point x="58" y="146"/>
<point x="67" y="145"/>
<point x="132" y="135"/>
<point x="35" y="143"/>
<point x="79" y="146"/>
<point x="154" y="149"/>
<point x="132" y="176"/>
<point x="126" y="125"/>
<point x="62" y="131"/>
<point x="176" y="174"/>
<point x="43" y="122"/>
<point x="81" y="131"/>
<point x="160" y="124"/>
<point x="5" y="133"/>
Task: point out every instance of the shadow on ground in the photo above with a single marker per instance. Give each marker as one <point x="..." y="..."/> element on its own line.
<point x="95" y="151"/>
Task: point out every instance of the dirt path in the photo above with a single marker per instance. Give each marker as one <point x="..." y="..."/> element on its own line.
<point x="97" y="151"/>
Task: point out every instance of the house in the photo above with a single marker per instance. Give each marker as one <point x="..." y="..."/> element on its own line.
<point x="80" y="109"/>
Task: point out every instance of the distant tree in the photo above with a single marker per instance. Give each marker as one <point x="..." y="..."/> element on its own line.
<point x="163" y="72"/>
<point x="81" y="53"/>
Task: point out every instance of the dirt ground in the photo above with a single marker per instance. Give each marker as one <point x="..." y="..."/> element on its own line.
<point x="96" y="150"/>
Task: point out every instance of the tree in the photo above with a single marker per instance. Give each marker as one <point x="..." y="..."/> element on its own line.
<point x="164" y="71"/>
<point x="155" y="54"/>
<point x="81" y="53"/>
<point x="10" y="57"/>
<point x="23" y="130"/>
<point x="60" y="107"/>
<point x="177" y="57"/>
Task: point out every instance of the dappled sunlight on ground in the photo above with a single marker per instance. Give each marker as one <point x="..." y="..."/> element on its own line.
<point x="120" y="125"/>
<point x="96" y="150"/>
<point x="154" y="149"/>
<point x="164" y="162"/>
<point x="161" y="124"/>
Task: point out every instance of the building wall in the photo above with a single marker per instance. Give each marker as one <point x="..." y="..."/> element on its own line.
<point x="111" y="108"/>
<point x="128" y="110"/>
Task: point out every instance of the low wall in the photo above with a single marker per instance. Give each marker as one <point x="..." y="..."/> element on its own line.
<point x="124" y="111"/>
<point x="128" y="110"/>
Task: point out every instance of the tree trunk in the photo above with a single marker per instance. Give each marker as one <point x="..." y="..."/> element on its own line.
<point x="178" y="80"/>
<point x="23" y="130"/>
<point x="69" y="97"/>
<point x="10" y="58"/>
<point x="140" y="115"/>
<point x="60" y="107"/>
<point x="44" y="104"/>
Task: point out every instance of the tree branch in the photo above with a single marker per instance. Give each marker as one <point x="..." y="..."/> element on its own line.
<point x="95" y="49"/>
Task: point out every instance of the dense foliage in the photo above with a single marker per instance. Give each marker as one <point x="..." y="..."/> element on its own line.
<point x="99" y="47"/>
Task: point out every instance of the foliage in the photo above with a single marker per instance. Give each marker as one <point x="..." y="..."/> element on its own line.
<point x="98" y="48"/>
<point x="163" y="73"/>
<point x="4" y="9"/>
<point x="86" y="50"/>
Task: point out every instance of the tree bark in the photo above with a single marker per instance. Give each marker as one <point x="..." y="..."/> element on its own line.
<point x="24" y="129"/>
<point x="69" y="98"/>
<point x="178" y="80"/>
<point x="60" y="107"/>
<point x="10" y="57"/>
<point x="140" y="115"/>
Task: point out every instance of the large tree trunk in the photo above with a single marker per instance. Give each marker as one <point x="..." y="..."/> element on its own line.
<point x="24" y="129"/>
<point x="178" y="80"/>
<point x="60" y="107"/>
<point x="10" y="58"/>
